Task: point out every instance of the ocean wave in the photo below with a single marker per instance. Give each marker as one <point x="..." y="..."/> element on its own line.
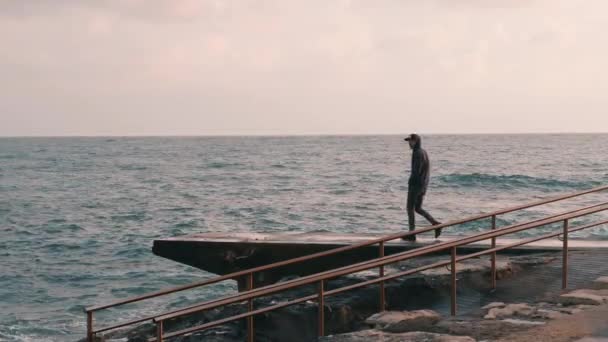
<point x="138" y="217"/>
<point x="13" y="156"/>
<point x="484" y="180"/>
<point x="56" y="247"/>
<point x="184" y="224"/>
<point x="130" y="167"/>
<point x="133" y="252"/>
<point x="57" y="227"/>
<point x="132" y="290"/>
<point x="177" y="209"/>
<point x="321" y="230"/>
<point x="220" y="165"/>
<point x="340" y="191"/>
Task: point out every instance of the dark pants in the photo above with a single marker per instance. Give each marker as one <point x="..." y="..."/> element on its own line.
<point x="414" y="204"/>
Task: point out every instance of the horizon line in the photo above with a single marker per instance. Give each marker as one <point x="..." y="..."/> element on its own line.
<point x="288" y="135"/>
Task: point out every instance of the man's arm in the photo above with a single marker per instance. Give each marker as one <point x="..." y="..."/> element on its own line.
<point x="417" y="164"/>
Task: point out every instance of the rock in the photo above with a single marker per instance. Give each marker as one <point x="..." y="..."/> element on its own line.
<point x="601" y="283"/>
<point x="494" y="305"/>
<point x="489" y="330"/>
<point x="522" y="322"/>
<point x="398" y="322"/>
<point x="510" y="310"/>
<point x="532" y="260"/>
<point x="341" y="318"/>
<point x="469" y="266"/>
<point x="376" y="335"/>
<point x="548" y="314"/>
<point x="570" y="311"/>
<point x="584" y="297"/>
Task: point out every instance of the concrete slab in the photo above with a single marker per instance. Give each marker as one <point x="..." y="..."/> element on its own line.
<point x="347" y="239"/>
<point x="224" y="253"/>
<point x="601" y="283"/>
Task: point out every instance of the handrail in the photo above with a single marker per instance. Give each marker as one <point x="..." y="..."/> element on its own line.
<point x="370" y="282"/>
<point x="362" y="266"/>
<point x="323" y="276"/>
<point x="194" y="306"/>
<point x="249" y="272"/>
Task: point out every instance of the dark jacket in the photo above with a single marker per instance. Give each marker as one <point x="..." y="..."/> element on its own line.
<point x="419" y="177"/>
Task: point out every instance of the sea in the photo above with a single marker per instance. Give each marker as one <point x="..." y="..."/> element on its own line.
<point x="78" y="215"/>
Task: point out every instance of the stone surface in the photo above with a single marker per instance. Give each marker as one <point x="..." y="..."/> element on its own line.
<point x="472" y="265"/>
<point x="601" y="283"/>
<point x="494" y="305"/>
<point x="376" y="335"/>
<point x="403" y="321"/>
<point x="584" y="297"/>
<point x="587" y="323"/>
<point x="522" y="322"/>
<point x="510" y="310"/>
<point x="532" y="260"/>
<point x="548" y="314"/>
<point x="346" y="313"/>
<point x="488" y="330"/>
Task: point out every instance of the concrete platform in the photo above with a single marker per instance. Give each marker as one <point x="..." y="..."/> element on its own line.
<point x="224" y="253"/>
<point x="347" y="239"/>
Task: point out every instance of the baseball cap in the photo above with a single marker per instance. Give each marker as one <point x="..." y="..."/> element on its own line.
<point x="414" y="137"/>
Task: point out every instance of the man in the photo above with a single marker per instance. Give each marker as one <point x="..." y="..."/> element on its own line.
<point x="417" y="185"/>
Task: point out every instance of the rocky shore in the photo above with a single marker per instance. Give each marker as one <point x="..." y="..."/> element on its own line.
<point x="350" y="312"/>
<point x="573" y="316"/>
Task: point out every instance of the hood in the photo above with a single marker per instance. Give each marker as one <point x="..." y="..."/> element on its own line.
<point x="418" y="141"/>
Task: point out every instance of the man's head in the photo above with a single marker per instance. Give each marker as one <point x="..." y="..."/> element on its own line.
<point x="413" y="140"/>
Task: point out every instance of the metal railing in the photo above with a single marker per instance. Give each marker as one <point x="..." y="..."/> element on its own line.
<point x="380" y="262"/>
<point x="322" y="277"/>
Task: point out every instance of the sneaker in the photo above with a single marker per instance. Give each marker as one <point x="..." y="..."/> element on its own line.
<point x="437" y="233"/>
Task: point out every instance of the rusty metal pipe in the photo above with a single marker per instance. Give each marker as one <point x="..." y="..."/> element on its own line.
<point x="298" y="301"/>
<point x="321" y="304"/>
<point x="270" y="289"/>
<point x="374" y="281"/>
<point x="334" y="251"/>
<point x="236" y="317"/>
<point x="382" y="289"/>
<point x="250" y="327"/>
<point x="527" y="241"/>
<point x="159" y="331"/>
<point x="453" y="282"/>
<point x="417" y="252"/>
<point x="216" y="301"/>
<point x="565" y="257"/>
<point x="90" y="326"/>
<point x="494" y="254"/>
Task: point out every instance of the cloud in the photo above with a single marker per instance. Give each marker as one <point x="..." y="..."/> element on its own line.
<point x="149" y="10"/>
<point x="299" y="66"/>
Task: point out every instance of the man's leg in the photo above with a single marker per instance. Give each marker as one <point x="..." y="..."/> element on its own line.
<point x="425" y="214"/>
<point x="411" y="203"/>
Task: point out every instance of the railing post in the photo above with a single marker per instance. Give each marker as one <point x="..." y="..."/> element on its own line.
<point x="453" y="290"/>
<point x="565" y="257"/>
<point x="89" y="326"/>
<point x="494" y="254"/>
<point x="159" y="331"/>
<point x="250" y="327"/>
<point x="382" y="291"/>
<point x="321" y="302"/>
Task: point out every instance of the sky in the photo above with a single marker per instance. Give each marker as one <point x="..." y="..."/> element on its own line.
<point x="282" y="67"/>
